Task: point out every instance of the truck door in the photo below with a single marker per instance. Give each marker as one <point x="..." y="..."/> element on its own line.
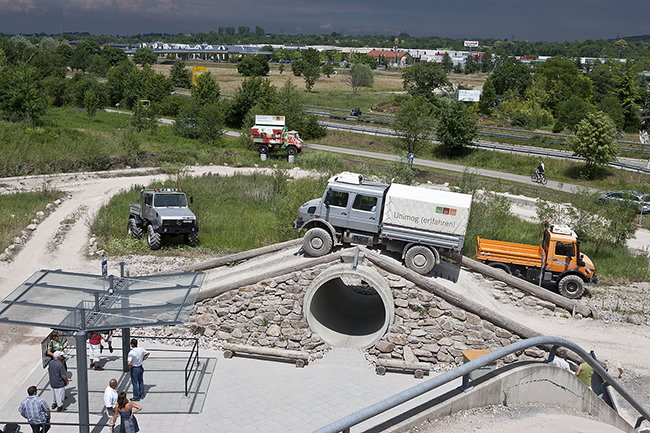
<point x="564" y="254"/>
<point x="337" y="210"/>
<point x="364" y="214"/>
<point x="146" y="206"/>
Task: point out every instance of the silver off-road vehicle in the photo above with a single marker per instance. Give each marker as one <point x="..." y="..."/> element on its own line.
<point x="163" y="211"/>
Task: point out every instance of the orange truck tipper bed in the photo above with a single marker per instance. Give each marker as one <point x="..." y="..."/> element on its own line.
<point x="509" y="252"/>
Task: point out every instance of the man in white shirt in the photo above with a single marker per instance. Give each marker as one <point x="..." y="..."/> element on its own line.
<point x="136" y="356"/>
<point x="110" y="399"/>
<point x="559" y="360"/>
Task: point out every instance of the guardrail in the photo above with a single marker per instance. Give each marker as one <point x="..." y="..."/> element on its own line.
<point x="530" y="151"/>
<point x="344" y="424"/>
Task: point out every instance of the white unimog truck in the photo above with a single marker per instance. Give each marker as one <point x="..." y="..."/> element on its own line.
<point x="163" y="212"/>
<point x="416" y="222"/>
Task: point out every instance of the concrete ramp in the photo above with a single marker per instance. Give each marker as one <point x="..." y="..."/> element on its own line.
<point x="518" y="383"/>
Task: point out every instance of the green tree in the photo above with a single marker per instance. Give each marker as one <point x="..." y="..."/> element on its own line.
<point x="113" y="55"/>
<point x="488" y="97"/>
<point x="628" y="93"/>
<point x="207" y="91"/>
<point x="360" y="76"/>
<point x="446" y="63"/>
<point x="594" y="142"/>
<point x="311" y="56"/>
<point x="290" y="103"/>
<point x="560" y="80"/>
<point x="365" y="59"/>
<point x="424" y="79"/>
<point x="413" y="123"/>
<point x="327" y="70"/>
<point x="456" y="127"/>
<point x="181" y="77"/>
<point x="254" y="66"/>
<point x="472" y="65"/>
<point x="252" y="91"/>
<point x="511" y="74"/>
<point x="144" y="56"/>
<point x="311" y="74"/>
<point x="143" y="117"/>
<point x="95" y="98"/>
<point x="22" y="97"/>
<point x="486" y="61"/>
<point x="572" y="111"/>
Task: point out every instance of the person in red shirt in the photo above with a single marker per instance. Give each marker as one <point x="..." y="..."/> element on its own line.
<point x="95" y="341"/>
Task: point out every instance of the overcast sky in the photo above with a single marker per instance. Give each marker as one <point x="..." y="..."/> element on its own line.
<point x="532" y="20"/>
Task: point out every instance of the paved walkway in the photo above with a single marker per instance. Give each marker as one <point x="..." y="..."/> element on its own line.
<point x="241" y="394"/>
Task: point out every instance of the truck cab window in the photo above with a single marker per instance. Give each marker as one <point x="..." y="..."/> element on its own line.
<point x="365" y="203"/>
<point x="562" y="249"/>
<point x="148" y="199"/>
<point x="338" y="198"/>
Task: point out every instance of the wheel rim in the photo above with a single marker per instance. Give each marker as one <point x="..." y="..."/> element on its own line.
<point x="572" y="288"/>
<point x="316" y="243"/>
<point x="419" y="260"/>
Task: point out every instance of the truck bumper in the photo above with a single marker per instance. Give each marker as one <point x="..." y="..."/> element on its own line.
<point x="594" y="279"/>
<point x="297" y="224"/>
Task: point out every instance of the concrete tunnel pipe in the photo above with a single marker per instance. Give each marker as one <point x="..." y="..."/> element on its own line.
<point x="348" y="307"/>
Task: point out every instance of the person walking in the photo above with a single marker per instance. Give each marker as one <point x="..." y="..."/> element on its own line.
<point x="560" y="360"/>
<point x="584" y="373"/>
<point x="136" y="356"/>
<point x="127" y="410"/>
<point x="58" y="381"/>
<point x="95" y="341"/>
<point x="110" y="399"/>
<point x="34" y="408"/>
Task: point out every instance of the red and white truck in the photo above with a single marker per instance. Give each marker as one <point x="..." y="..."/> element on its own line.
<point x="270" y="133"/>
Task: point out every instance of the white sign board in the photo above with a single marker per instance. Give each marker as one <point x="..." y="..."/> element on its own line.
<point x="471" y="43"/>
<point x="269" y="120"/>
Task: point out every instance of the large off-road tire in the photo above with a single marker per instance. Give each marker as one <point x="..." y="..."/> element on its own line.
<point x="317" y="242"/>
<point x="192" y="239"/>
<point x="263" y="150"/>
<point x="134" y="229"/>
<point x="571" y="287"/>
<point x="504" y="267"/>
<point x="420" y="259"/>
<point x="153" y="238"/>
<point x="292" y="150"/>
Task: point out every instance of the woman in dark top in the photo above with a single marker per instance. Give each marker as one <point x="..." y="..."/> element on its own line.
<point x="127" y="409"/>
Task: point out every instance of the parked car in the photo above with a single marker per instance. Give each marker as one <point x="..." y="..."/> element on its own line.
<point x="630" y="197"/>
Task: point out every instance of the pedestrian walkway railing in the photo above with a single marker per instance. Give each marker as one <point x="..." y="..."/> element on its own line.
<point x="193" y="361"/>
<point x="344" y="424"/>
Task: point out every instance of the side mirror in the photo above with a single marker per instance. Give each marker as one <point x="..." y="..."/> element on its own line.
<point x="191" y="200"/>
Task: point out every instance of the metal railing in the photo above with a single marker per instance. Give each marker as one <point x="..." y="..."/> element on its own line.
<point x="192" y="360"/>
<point x="344" y="424"/>
<point x="529" y="151"/>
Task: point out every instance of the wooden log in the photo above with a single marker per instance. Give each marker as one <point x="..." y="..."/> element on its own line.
<point x="245" y="255"/>
<point x="256" y="278"/>
<point x="526" y="286"/>
<point x="301" y="357"/>
<point x="403" y="365"/>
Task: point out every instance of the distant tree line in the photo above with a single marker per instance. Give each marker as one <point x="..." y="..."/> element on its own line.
<point x="625" y="48"/>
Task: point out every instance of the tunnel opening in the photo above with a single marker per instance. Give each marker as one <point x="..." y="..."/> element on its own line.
<point x="349" y="308"/>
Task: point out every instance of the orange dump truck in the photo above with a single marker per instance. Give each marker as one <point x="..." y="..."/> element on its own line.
<point x="559" y="257"/>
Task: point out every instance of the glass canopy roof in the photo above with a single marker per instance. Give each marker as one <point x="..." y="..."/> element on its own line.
<point x="71" y="301"/>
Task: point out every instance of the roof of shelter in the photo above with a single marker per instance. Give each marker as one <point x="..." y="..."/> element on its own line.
<point x="72" y="301"/>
